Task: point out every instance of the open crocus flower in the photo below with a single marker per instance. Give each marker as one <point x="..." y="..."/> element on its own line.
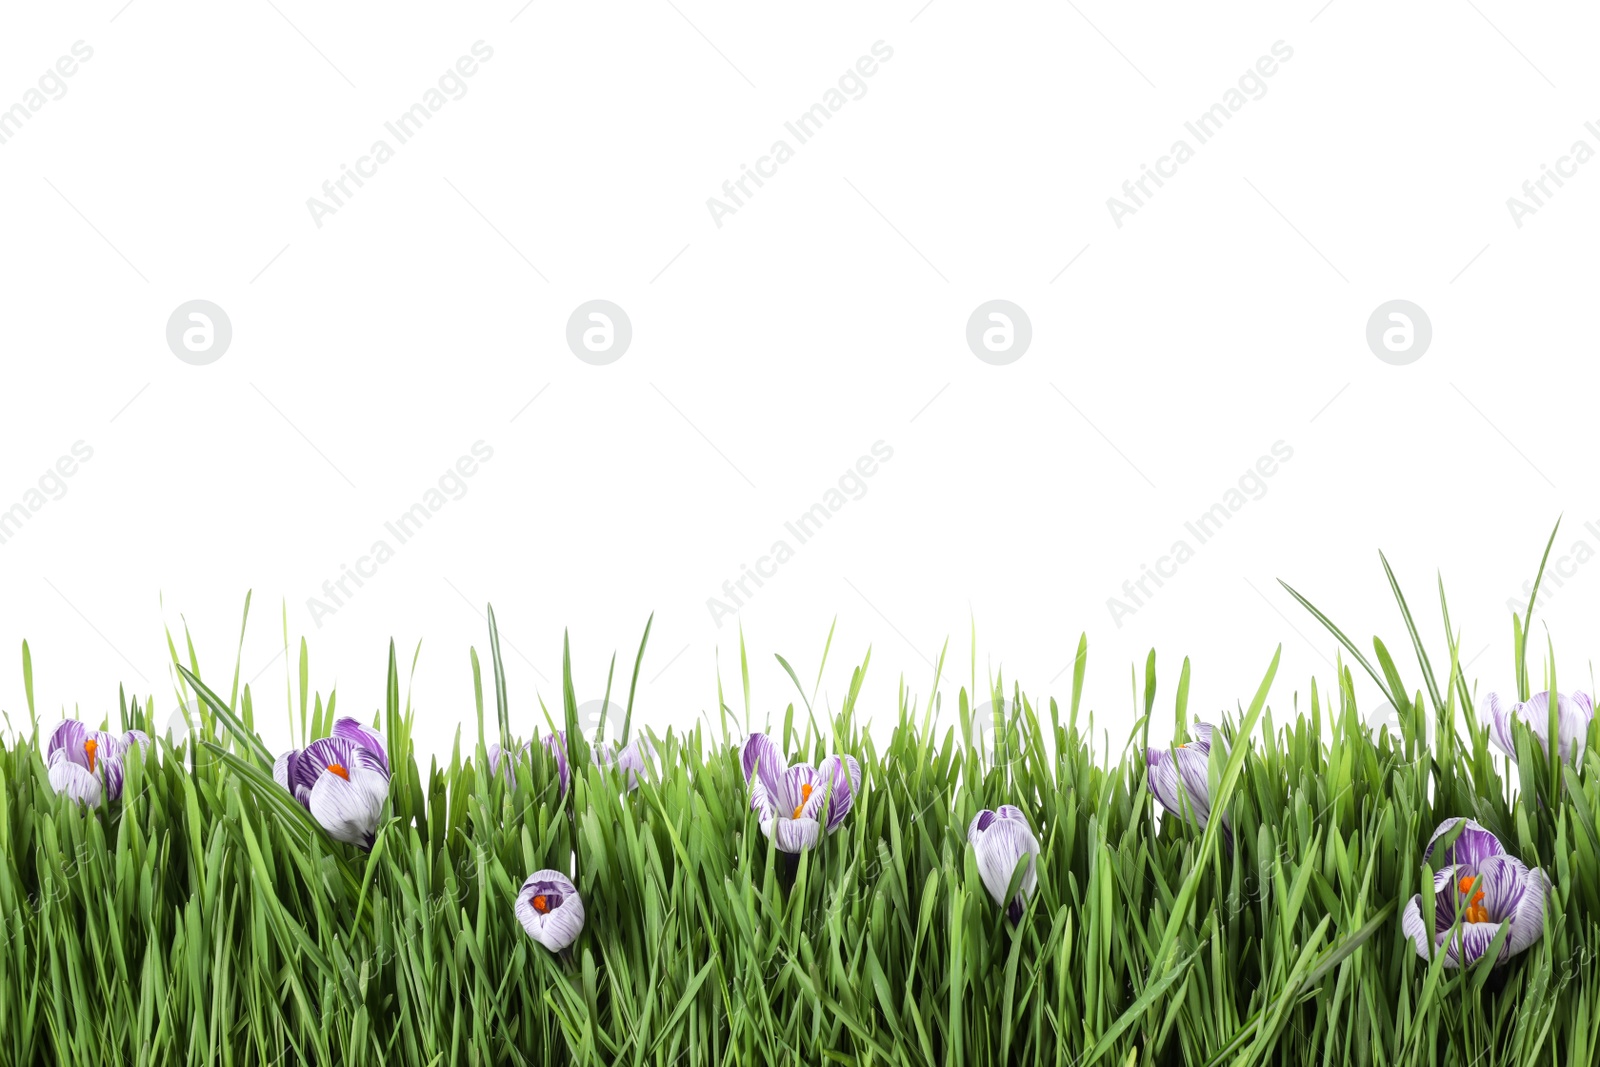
<point x="1486" y="889"/>
<point x="342" y="780"/>
<point x="550" y="909"/>
<point x="796" y="803"/>
<point x="86" y="764"/>
<point x="1573" y="715"/>
<point x="631" y="761"/>
<point x="1183" y="770"/>
<point x="1000" y="840"/>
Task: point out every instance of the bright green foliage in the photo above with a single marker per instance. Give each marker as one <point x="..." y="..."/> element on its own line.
<point x="205" y="918"/>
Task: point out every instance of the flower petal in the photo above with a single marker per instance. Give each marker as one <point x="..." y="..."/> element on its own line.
<point x="363" y="735"/>
<point x="980" y="822"/>
<point x="70" y="778"/>
<point x="793" y="835"/>
<point x="791" y="794"/>
<point x="759" y="748"/>
<point x="556" y="743"/>
<point x="1498" y="712"/>
<point x="1467" y="947"/>
<point x="1470" y="849"/>
<point x="1527" y="921"/>
<point x="349" y="809"/>
<point x="1573" y="726"/>
<point x="67" y="737"/>
<point x="1412" y="925"/>
<point x="1161" y="775"/>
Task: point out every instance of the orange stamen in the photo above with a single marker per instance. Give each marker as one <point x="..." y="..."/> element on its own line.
<point x="541" y="905"/>
<point x="805" y="795"/>
<point x="88" y="747"/>
<point x="339" y="770"/>
<point x="1465" y="885"/>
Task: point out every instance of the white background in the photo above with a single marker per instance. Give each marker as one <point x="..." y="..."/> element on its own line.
<point x="768" y="354"/>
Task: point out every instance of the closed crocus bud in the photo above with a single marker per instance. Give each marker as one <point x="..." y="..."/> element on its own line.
<point x="1000" y="840"/>
<point x="342" y="783"/>
<point x="1178" y="777"/>
<point x="1573" y="715"/>
<point x="504" y="760"/>
<point x="549" y="908"/>
<point x="633" y="761"/>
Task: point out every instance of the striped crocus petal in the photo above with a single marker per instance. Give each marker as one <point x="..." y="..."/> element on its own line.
<point x="549" y="908"/>
<point x="73" y="779"/>
<point x="363" y="735"/>
<point x="285" y="771"/>
<point x="1470" y="849"/>
<point x="68" y="736"/>
<point x="1178" y="776"/>
<point x="1000" y="840"/>
<point x="557" y="745"/>
<point x="759" y="750"/>
<point x="1498" y="711"/>
<point x="840" y="776"/>
<point x="343" y="785"/>
<point x="793" y="835"/>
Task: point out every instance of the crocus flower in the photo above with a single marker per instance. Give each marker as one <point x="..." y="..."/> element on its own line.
<point x="342" y="780"/>
<point x="796" y="803"/>
<point x="631" y="761"/>
<point x="1184" y="769"/>
<point x="1572" y="721"/>
<point x="556" y="743"/>
<point x="86" y="764"/>
<point x="550" y="909"/>
<point x="1000" y="840"/>
<point x="1487" y="889"/>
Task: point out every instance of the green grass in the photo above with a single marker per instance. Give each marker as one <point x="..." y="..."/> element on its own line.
<point x="204" y="918"/>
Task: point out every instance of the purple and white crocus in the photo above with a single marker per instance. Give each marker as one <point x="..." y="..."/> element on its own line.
<point x="549" y="908"/>
<point x="86" y="764"/>
<point x="343" y="780"/>
<point x="1573" y="715"/>
<point x="1000" y="840"/>
<point x="555" y="744"/>
<point x="1483" y="888"/>
<point x="1178" y="776"/>
<point x="796" y="804"/>
<point x="633" y="761"/>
